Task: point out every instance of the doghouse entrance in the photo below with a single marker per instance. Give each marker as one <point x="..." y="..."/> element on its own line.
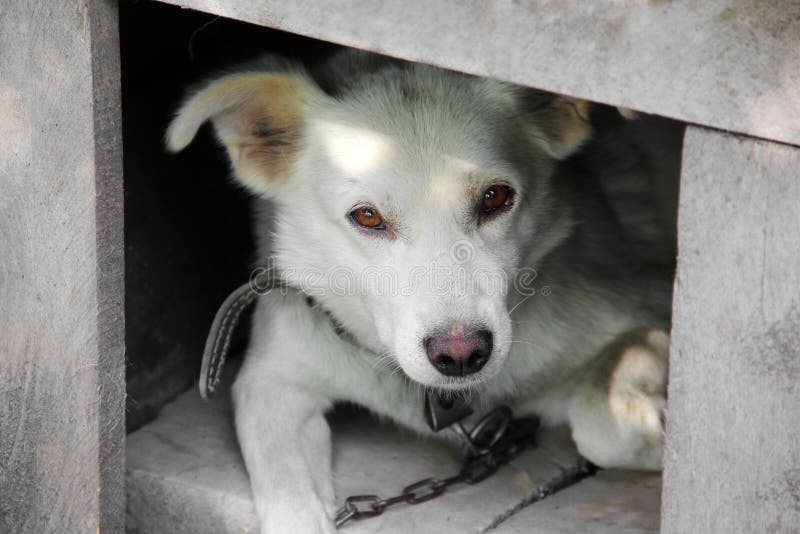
<point x="188" y="243"/>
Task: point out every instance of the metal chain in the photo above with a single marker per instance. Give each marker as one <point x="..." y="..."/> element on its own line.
<point x="493" y="442"/>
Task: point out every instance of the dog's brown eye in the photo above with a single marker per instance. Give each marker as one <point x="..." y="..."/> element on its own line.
<point x="496" y="197"/>
<point x="368" y="217"/>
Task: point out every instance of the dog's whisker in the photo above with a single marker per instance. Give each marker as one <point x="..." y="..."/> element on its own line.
<point x="518" y="304"/>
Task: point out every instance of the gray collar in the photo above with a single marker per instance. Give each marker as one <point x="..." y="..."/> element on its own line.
<point x="227" y="319"/>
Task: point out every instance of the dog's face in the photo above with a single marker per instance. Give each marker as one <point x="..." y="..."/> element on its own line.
<point x="406" y="204"/>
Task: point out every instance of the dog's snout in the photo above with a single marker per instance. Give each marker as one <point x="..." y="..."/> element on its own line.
<point x="457" y="351"/>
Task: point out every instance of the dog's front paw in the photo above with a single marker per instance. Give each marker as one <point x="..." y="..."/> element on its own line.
<point x="618" y="416"/>
<point x="301" y="514"/>
<point x="287" y="453"/>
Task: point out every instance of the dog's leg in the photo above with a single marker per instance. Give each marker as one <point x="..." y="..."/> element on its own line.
<point x="617" y="411"/>
<point x="286" y="444"/>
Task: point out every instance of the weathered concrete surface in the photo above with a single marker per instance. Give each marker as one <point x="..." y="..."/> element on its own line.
<point x="732" y="462"/>
<point x="185" y="474"/>
<point x="62" y="385"/>
<point x="731" y="64"/>
<point x="611" y="502"/>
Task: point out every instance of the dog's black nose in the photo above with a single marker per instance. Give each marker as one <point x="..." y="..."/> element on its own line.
<point x="457" y="351"/>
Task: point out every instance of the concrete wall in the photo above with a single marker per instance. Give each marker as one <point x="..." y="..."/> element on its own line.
<point x="62" y="418"/>
<point x="730" y="64"/>
<point x="733" y="433"/>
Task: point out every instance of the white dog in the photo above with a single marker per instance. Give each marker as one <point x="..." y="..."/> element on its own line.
<point x="435" y="218"/>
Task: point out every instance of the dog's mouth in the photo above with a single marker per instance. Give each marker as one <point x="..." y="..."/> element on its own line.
<point x="456" y="387"/>
<point x="466" y="384"/>
<point x="447" y="385"/>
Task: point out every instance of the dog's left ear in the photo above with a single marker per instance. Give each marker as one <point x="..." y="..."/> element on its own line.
<point x="258" y="116"/>
<point x="559" y="124"/>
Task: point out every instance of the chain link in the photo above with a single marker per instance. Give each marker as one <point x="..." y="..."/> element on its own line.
<point x="493" y="442"/>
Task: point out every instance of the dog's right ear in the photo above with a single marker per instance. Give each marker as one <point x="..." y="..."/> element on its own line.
<point x="559" y="124"/>
<point x="258" y="116"/>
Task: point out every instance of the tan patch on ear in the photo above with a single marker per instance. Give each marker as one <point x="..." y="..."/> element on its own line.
<point x="627" y="113"/>
<point x="259" y="117"/>
<point x="262" y="134"/>
<point x="566" y="124"/>
<point x="561" y="122"/>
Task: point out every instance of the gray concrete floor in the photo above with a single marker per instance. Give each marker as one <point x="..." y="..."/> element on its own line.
<point x="185" y="474"/>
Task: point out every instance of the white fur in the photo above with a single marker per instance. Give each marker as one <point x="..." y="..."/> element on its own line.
<point x="424" y="164"/>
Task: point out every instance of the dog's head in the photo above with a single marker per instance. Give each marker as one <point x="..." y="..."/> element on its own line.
<point x="406" y="200"/>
